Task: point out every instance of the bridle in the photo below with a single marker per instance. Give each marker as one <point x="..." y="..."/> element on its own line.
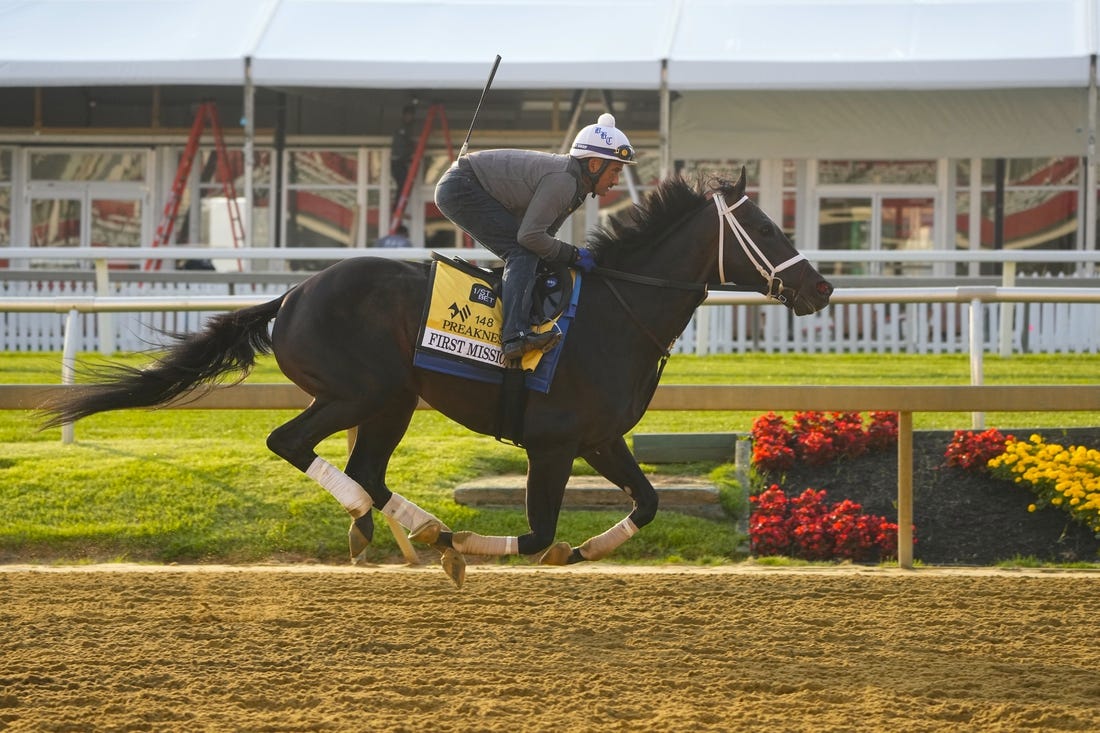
<point x="759" y="260"/>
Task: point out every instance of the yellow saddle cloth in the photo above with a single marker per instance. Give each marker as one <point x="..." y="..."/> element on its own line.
<point x="461" y="329"/>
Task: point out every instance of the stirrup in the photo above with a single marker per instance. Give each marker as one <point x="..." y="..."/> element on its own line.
<point x="546" y="341"/>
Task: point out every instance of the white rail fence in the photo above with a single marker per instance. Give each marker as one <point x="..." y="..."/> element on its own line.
<point x="1060" y="318"/>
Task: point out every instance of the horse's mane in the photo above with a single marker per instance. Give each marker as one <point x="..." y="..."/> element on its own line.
<point x="643" y="225"/>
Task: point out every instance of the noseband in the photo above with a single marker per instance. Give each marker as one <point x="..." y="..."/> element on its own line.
<point x="758" y="259"/>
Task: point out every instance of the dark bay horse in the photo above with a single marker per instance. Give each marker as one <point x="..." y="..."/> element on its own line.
<point x="346" y="336"/>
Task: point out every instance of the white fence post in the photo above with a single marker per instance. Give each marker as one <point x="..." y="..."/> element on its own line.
<point x="105" y="322"/>
<point x="977" y="352"/>
<point x="68" y="366"/>
<point x="1008" y="280"/>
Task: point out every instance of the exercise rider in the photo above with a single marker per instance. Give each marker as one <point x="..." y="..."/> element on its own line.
<point x="514" y="202"/>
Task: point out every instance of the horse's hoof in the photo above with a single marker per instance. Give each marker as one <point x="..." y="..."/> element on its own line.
<point x="428" y="533"/>
<point x="558" y="554"/>
<point x="360" y="534"/>
<point x="454" y="564"/>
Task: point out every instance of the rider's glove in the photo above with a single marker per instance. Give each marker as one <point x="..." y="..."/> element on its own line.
<point x="583" y="259"/>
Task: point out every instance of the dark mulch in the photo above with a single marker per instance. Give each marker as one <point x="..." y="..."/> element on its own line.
<point x="960" y="517"/>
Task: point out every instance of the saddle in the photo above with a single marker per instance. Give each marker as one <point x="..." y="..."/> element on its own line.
<point x="552" y="292"/>
<point x="460" y="333"/>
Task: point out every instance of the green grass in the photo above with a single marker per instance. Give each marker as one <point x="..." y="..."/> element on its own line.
<point x="201" y="486"/>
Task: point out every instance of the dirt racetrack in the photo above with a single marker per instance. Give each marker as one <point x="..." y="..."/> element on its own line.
<point x="598" y="648"/>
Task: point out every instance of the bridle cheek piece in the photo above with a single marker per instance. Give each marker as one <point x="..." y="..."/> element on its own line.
<point x="759" y="260"/>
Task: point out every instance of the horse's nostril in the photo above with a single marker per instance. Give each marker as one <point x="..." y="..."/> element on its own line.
<point x="824" y="288"/>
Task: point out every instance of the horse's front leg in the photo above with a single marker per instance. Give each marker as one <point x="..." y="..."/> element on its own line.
<point x="616" y="463"/>
<point x="547" y="474"/>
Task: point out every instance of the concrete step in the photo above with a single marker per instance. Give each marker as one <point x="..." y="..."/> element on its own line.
<point x="687" y="495"/>
<point x="685" y="447"/>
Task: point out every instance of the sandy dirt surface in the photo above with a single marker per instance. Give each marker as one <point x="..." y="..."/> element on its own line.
<point x="599" y="648"/>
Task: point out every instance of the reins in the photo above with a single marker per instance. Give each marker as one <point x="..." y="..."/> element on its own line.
<point x="758" y="259"/>
<point x="656" y="282"/>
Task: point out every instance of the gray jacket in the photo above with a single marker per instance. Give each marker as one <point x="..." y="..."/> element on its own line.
<point x="540" y="189"/>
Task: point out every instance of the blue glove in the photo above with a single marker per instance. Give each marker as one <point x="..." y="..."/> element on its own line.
<point x="583" y="259"/>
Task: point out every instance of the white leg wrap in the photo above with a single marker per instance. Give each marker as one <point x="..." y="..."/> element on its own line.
<point x="600" y="545"/>
<point x="347" y="491"/>
<point x="407" y="514"/>
<point x="472" y="543"/>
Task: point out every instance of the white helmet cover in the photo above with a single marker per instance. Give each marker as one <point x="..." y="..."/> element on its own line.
<point x="603" y="140"/>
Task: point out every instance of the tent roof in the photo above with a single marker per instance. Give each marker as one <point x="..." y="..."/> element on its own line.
<point x="127" y="42"/>
<point x="451" y="43"/>
<point x="862" y="44"/>
<point x="616" y="44"/>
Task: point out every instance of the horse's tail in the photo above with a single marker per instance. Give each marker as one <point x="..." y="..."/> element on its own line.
<point x="228" y="343"/>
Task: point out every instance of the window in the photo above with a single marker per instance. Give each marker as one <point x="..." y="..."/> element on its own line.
<point x="876" y="172"/>
<point x="121" y="166"/>
<point x="1038" y="209"/>
<point x="322" y="200"/>
<point x="5" y="196"/>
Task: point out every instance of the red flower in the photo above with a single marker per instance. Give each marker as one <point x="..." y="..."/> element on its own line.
<point x="972" y="451"/>
<point x="806" y="527"/>
<point x="818" y="438"/>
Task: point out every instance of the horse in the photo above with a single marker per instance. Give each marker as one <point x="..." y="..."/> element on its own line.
<point x="346" y="336"/>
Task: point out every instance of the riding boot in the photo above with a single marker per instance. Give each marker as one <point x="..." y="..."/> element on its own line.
<point x="519" y="285"/>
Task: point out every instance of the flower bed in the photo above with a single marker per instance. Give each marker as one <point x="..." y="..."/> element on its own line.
<point x="806" y="526"/>
<point x="961" y="516"/>
<point x="1067" y="478"/>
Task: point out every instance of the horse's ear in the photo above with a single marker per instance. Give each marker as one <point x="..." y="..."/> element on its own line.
<point x="739" y="187"/>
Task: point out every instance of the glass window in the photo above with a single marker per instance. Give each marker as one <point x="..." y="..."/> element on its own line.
<point x="1030" y="172"/>
<point x="1039" y="209"/>
<point x="1036" y="219"/>
<point x="124" y="166"/>
<point x="208" y="167"/>
<point x="5" y="215"/>
<point x="728" y="169"/>
<point x="115" y="222"/>
<point x="320" y="218"/>
<point x="261" y="217"/>
<point x="877" y="171"/>
<point x="322" y="198"/>
<point x="845" y="223"/>
<point x="962" y="173"/>
<point x="5" y="196"/>
<point x="323" y="168"/>
<point x="55" y="223"/>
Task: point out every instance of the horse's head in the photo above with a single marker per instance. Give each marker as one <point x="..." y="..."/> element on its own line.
<point x="754" y="252"/>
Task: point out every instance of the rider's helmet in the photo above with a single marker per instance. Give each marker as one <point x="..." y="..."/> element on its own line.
<point x="603" y="140"/>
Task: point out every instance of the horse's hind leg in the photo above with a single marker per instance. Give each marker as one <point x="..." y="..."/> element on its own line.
<point x="615" y="462"/>
<point x="547" y="474"/>
<point x="363" y="485"/>
<point x="377" y="438"/>
<point x="294" y="441"/>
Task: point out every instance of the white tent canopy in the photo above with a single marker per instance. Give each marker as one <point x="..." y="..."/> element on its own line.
<point x="615" y="44"/>
<point x="127" y="42"/>
<point x="882" y="44"/>
<point x="451" y="44"/>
